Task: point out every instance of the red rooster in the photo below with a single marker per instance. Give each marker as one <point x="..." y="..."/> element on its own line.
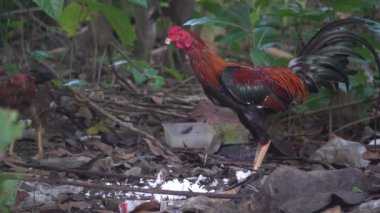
<point x="254" y="93"/>
<point x="17" y="92"/>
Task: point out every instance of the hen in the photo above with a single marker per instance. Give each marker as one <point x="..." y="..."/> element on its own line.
<point x="254" y="93"/>
<point x="17" y="92"/>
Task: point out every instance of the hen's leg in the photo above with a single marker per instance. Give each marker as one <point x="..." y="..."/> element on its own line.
<point x="40" y="142"/>
<point x="32" y="114"/>
<point x="261" y="151"/>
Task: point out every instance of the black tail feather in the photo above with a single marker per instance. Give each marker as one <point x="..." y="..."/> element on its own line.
<point x="323" y="61"/>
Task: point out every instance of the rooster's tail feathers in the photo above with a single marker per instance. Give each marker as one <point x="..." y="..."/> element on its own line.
<point x="323" y="60"/>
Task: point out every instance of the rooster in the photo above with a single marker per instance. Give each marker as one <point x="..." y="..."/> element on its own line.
<point x="17" y="92"/>
<point x="254" y="93"/>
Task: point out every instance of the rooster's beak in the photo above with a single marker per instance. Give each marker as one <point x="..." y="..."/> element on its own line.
<point x="168" y="41"/>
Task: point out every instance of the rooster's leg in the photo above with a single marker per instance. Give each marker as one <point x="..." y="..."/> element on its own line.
<point x="261" y="151"/>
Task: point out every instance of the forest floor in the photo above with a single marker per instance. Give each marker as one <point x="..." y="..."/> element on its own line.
<point x="106" y="151"/>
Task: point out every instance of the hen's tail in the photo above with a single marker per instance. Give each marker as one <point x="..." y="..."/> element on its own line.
<point x="323" y="60"/>
<point x="41" y="76"/>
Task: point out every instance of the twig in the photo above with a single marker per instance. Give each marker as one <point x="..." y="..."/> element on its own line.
<point x="354" y="123"/>
<point x="335" y="107"/>
<point x="166" y="106"/>
<point x="150" y="110"/>
<point x="78" y="171"/>
<point x="20" y="11"/>
<point x="119" y="188"/>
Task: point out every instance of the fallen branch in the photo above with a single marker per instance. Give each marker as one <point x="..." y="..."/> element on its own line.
<point x="25" y="177"/>
<point x="86" y="173"/>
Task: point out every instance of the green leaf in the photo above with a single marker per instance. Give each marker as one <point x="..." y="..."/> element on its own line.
<point x="10" y="130"/>
<point x="120" y="22"/>
<point x="348" y="5"/>
<point x="11" y="68"/>
<point x="255" y="15"/>
<point x="263" y="36"/>
<point x="233" y="37"/>
<point x="138" y="76"/>
<point x="156" y="83"/>
<point x="8" y="190"/>
<point x="139" y="2"/>
<point x="260" y="58"/>
<point x="40" y="54"/>
<point x="316" y="14"/>
<point x="52" y="7"/>
<point x="211" y="21"/>
<point x="97" y="128"/>
<point x="150" y="73"/>
<point x="174" y="73"/>
<point x="107" y="85"/>
<point x="356" y="189"/>
<point x="286" y="11"/>
<point x="57" y="83"/>
<point x="71" y="17"/>
<point x="320" y="99"/>
<point x="210" y="6"/>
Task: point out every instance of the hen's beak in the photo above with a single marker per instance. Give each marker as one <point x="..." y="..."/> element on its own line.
<point x="168" y="41"/>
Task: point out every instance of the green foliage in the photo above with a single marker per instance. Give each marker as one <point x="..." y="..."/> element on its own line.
<point x="356" y="189"/>
<point x="10" y="68"/>
<point x="8" y="192"/>
<point x="347" y="6"/>
<point x="320" y="99"/>
<point x="40" y="54"/>
<point x="98" y="128"/>
<point x="139" y="2"/>
<point x="260" y="58"/>
<point x="10" y="130"/>
<point x="150" y="75"/>
<point x="74" y="14"/>
<point x="52" y="8"/>
<point x="120" y="22"/>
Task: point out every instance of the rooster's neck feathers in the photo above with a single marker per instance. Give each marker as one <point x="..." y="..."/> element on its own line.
<point x="207" y="65"/>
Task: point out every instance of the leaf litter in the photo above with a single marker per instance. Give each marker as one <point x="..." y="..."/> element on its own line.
<point x="184" y="179"/>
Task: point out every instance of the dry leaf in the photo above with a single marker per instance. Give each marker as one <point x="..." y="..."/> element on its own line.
<point x="157" y="149"/>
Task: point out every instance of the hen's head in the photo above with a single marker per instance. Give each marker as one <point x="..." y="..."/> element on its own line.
<point x="180" y="37"/>
<point x="21" y="80"/>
